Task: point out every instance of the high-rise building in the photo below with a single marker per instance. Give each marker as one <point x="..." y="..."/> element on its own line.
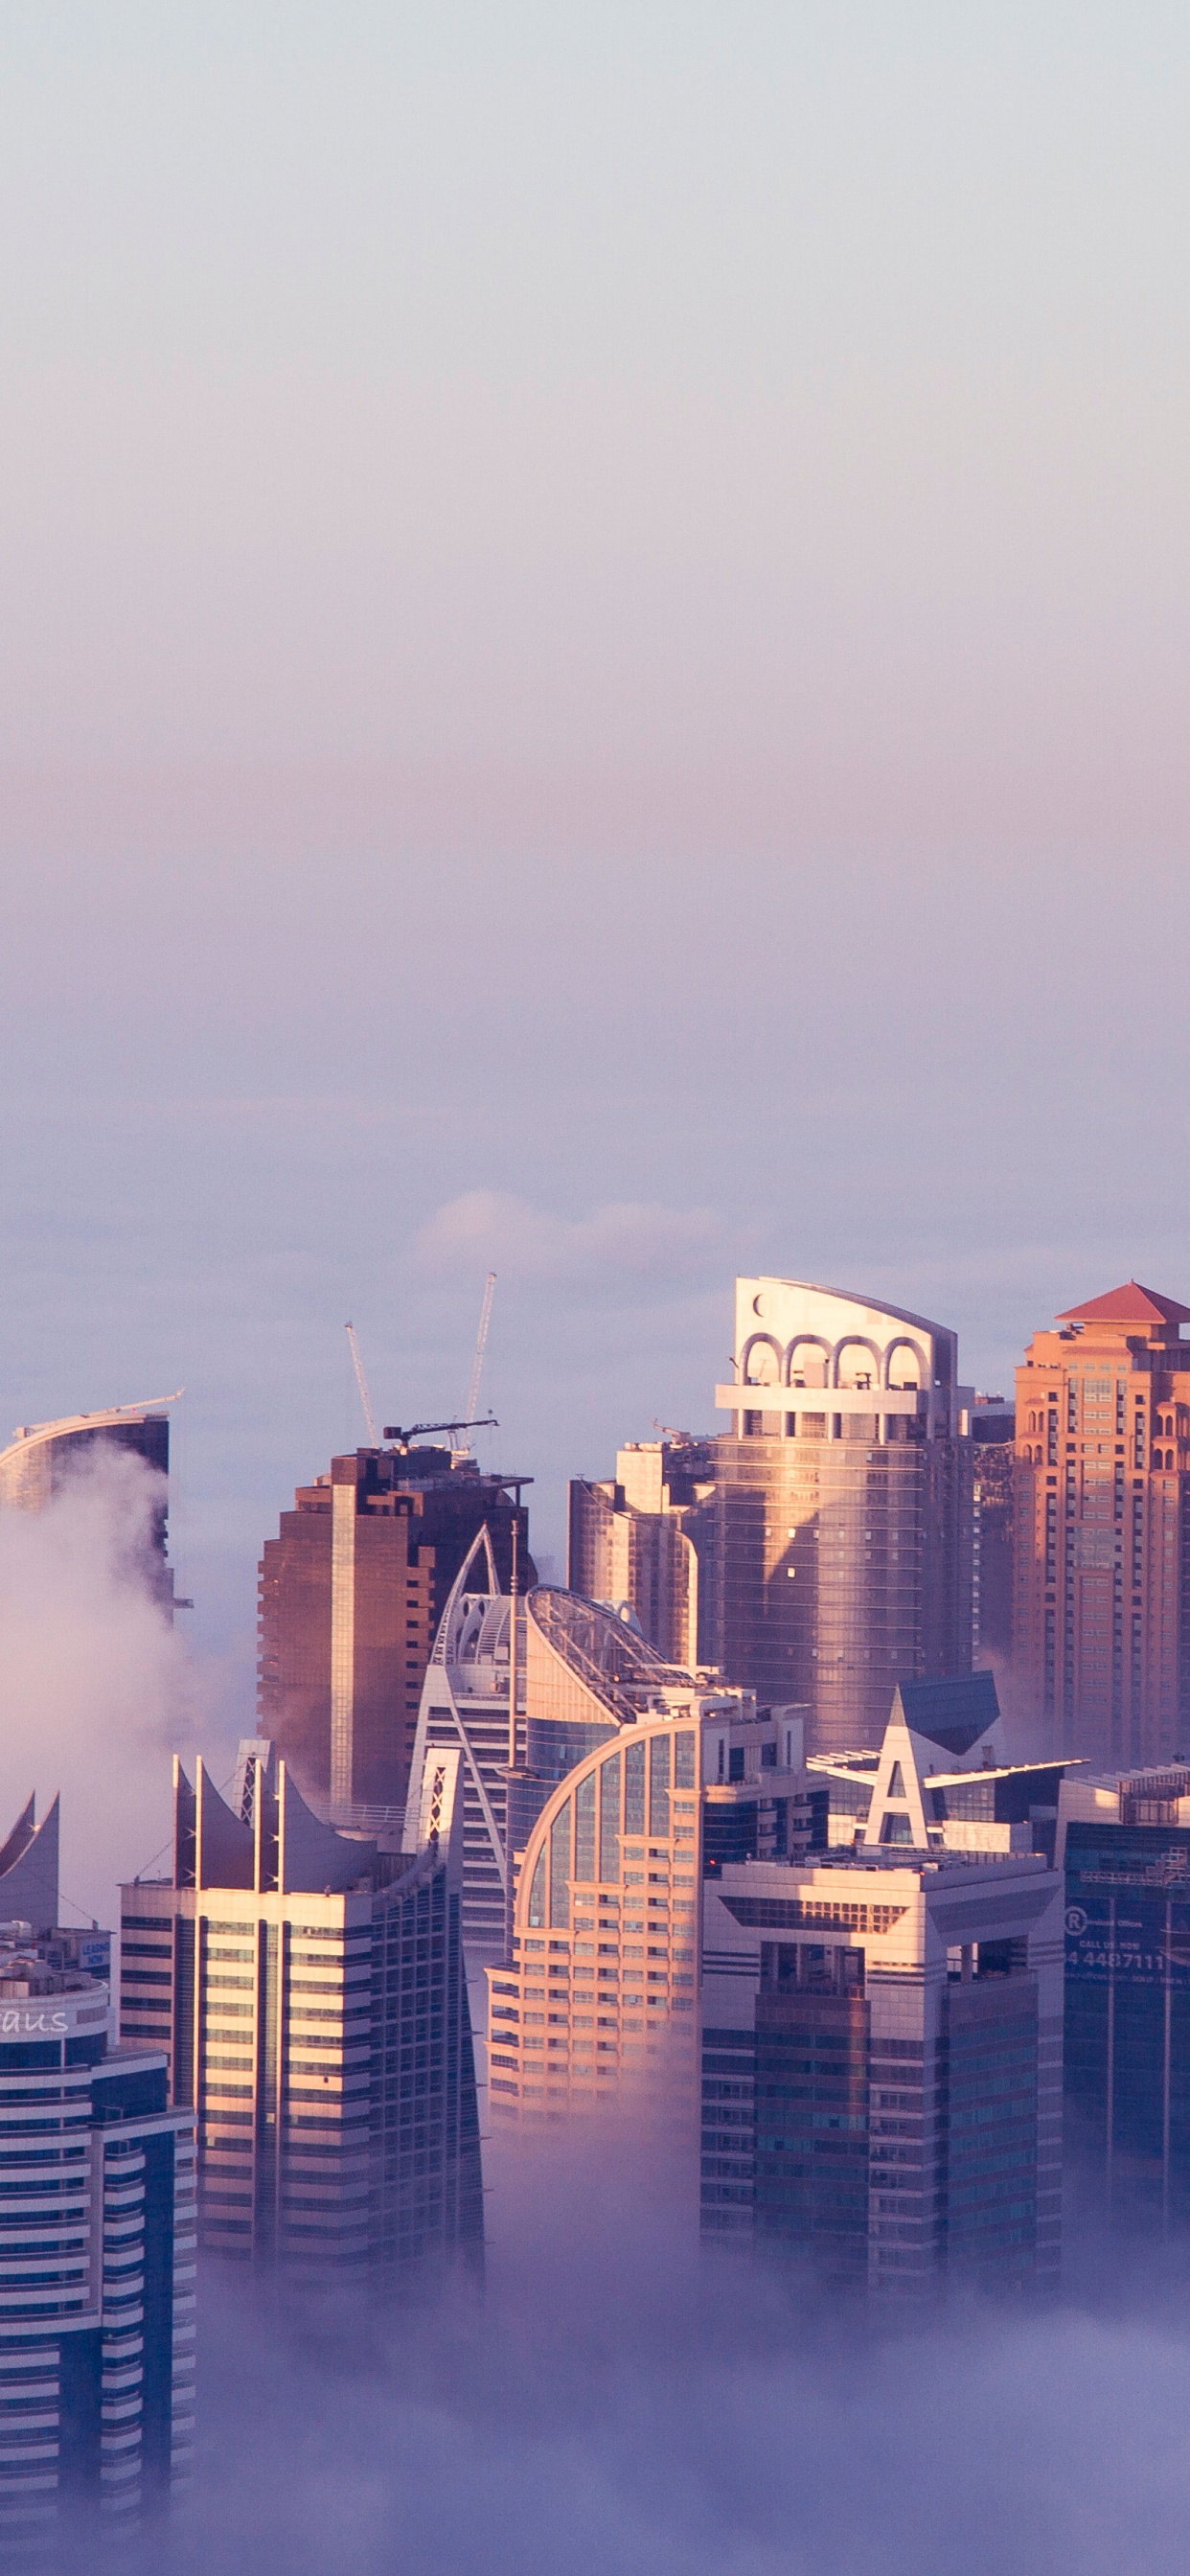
<point x="993" y="1436"/>
<point x="1101" y="1628"/>
<point x="882" y="2037"/>
<point x="352" y="1593"/>
<point x="42" y="1457"/>
<point x="97" y="2260"/>
<point x="633" y="1538"/>
<point x="596" y="1998"/>
<point x="827" y="1538"/>
<point x="465" y="1704"/>
<point x="308" y="1989"/>
<point x="584" y="1672"/>
<point x="1124" y="1843"/>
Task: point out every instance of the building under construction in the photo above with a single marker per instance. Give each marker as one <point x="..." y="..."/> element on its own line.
<point x="351" y="1593"/>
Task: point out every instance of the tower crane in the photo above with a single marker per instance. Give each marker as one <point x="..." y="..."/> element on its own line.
<point x="481" y="1343"/>
<point x="362" y="1383"/>
<point x="401" y="1434"/>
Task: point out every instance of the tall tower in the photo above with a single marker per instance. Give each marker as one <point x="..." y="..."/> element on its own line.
<point x="97" y="2253"/>
<point x="1101" y="1625"/>
<point x="842" y="1546"/>
<point x="635" y="1538"/>
<point x="309" y="1991"/>
<point x="351" y="1594"/>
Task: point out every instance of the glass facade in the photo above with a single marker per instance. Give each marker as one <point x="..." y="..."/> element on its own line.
<point x="838" y="1568"/>
<point x="881" y="2087"/>
<point x="1128" y="2013"/>
<point x="96" y="2267"/>
<point x="602" y="1974"/>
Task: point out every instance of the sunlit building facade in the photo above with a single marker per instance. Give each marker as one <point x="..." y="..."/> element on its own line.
<point x="465" y="1704"/>
<point x="634" y="1539"/>
<point x="1101" y="1625"/>
<point x="827" y="1537"/>
<point x="351" y="1596"/>
<point x="308" y="1988"/>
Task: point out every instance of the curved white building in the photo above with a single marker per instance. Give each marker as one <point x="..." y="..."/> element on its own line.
<point x="602" y="1984"/>
<point x="583" y="1674"/>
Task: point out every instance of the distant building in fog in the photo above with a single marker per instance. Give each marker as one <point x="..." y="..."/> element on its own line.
<point x="631" y="1539"/>
<point x="97" y="2260"/>
<point x="309" y="1990"/>
<point x="993" y="1434"/>
<point x="1101" y="1625"/>
<point x="351" y="1594"/>
<point x="821" y="1550"/>
<point x="42" y="1457"/>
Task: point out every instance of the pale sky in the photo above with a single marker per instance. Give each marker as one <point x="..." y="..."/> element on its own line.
<point x="594" y="620"/>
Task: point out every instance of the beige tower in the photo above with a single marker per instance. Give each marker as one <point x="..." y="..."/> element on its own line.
<point x="1101" y="1627"/>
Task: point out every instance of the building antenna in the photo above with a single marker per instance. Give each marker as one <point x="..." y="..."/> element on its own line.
<point x="362" y="1383"/>
<point x="481" y="1343"/>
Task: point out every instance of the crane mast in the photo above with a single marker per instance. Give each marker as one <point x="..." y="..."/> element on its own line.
<point x="362" y="1383"/>
<point x="481" y="1343"/>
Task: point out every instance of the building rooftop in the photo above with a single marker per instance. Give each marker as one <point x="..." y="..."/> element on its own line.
<point x="952" y="1714"/>
<point x="1130" y="1304"/>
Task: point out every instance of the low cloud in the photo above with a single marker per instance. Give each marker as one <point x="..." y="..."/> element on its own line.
<point x="616" y="2402"/>
<point x="629" y="1238"/>
<point x="96" y="1687"/>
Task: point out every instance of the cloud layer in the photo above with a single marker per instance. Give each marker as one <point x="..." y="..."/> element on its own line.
<point x="625" y="1240"/>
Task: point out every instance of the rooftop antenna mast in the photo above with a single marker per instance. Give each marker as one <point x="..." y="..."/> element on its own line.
<point x="362" y="1383"/>
<point x="481" y="1343"/>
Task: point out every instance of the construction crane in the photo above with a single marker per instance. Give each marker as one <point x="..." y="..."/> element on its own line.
<point x="362" y="1383"/>
<point x="400" y="1437"/>
<point x="481" y="1343"/>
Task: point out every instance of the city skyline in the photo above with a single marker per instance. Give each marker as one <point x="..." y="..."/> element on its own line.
<point x="592" y="707"/>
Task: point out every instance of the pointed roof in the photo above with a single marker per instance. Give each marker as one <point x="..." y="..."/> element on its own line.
<point x="1130" y="1304"/>
<point x="951" y="1714"/>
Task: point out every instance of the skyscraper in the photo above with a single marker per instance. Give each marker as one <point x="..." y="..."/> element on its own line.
<point x="632" y="1539"/>
<point x="42" y="1457"/>
<point x="1101" y="1628"/>
<point x="596" y="1996"/>
<point x="1124" y="1842"/>
<point x="309" y="1991"/>
<point x="97" y="2258"/>
<point x="351" y="1594"/>
<point x="830" y="1530"/>
<point x="882" y="2033"/>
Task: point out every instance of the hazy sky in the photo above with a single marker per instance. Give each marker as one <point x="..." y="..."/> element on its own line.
<point x="593" y="665"/>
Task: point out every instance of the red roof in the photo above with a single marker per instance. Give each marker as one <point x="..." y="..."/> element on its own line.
<point x="1130" y="1304"/>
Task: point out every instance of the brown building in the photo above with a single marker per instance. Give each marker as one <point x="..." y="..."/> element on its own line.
<point x="1101" y="1625"/>
<point x="351" y="1592"/>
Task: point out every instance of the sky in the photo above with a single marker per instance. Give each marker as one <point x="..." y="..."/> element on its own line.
<point x="592" y="678"/>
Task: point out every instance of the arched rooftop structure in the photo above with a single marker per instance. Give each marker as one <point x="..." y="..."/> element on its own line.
<point x="465" y="1703"/>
